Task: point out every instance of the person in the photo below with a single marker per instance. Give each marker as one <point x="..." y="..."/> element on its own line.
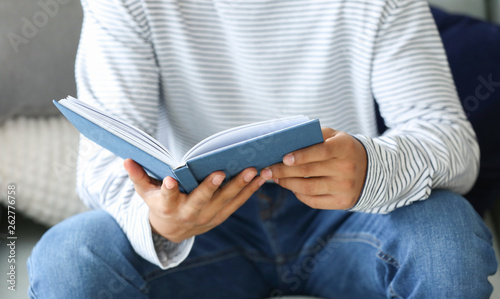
<point x="360" y="215"/>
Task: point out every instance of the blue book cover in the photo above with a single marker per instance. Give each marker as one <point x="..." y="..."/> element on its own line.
<point x="255" y="145"/>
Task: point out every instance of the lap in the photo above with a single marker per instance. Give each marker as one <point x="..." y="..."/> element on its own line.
<point x="273" y="245"/>
<point x="89" y="255"/>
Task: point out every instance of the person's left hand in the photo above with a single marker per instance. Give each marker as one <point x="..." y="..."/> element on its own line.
<point x="329" y="175"/>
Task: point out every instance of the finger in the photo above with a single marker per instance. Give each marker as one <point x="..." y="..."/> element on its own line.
<point x="230" y="193"/>
<point x="327" y="202"/>
<point x="170" y="196"/>
<point x="233" y="187"/>
<point x="202" y="195"/>
<point x="328" y="132"/>
<point x="336" y="144"/>
<point x="142" y="182"/>
<point x="235" y="203"/>
<point x="309" y="186"/>
<point x="314" y="169"/>
<point x="323" y="202"/>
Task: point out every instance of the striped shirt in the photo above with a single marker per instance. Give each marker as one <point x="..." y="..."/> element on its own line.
<point x="183" y="70"/>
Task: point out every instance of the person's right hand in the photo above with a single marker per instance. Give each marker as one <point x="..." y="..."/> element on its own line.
<point x="178" y="216"/>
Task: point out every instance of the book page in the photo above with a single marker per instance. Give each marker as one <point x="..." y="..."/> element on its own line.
<point x="127" y="132"/>
<point x="242" y="133"/>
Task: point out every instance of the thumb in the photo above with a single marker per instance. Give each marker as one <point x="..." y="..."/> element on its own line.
<point x="142" y="182"/>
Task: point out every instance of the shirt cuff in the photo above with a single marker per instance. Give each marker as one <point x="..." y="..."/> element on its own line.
<point x="375" y="180"/>
<point x="155" y="249"/>
<point x="169" y="253"/>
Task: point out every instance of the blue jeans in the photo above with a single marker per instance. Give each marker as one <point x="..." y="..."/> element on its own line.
<point x="275" y="245"/>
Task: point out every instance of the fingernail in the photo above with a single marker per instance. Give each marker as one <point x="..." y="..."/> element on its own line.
<point x="249" y="176"/>
<point x="217" y="180"/>
<point x="169" y="184"/>
<point x="261" y="182"/>
<point x="266" y="173"/>
<point x="289" y="159"/>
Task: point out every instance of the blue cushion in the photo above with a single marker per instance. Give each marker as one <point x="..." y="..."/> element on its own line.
<point x="473" y="49"/>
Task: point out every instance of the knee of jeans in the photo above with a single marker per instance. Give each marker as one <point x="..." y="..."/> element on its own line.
<point x="442" y="245"/>
<point x="444" y="214"/>
<point x="71" y="243"/>
<point x="445" y="236"/>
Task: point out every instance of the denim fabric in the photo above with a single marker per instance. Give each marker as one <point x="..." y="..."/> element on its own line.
<point x="275" y="245"/>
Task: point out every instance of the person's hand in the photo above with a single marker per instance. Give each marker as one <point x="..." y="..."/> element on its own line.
<point x="329" y="175"/>
<point x="178" y="216"/>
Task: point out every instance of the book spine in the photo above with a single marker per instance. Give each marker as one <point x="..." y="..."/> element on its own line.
<point x="187" y="182"/>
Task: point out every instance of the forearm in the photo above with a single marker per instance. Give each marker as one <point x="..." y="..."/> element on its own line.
<point x="404" y="166"/>
<point x="430" y="143"/>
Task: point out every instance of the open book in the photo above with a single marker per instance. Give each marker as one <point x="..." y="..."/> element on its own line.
<point x="254" y="145"/>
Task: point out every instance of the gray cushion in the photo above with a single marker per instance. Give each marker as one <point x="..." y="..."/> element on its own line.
<point x="38" y="42"/>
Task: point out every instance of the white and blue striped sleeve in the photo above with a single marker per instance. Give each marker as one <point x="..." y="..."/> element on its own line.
<point x="430" y="143"/>
<point x="116" y="70"/>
